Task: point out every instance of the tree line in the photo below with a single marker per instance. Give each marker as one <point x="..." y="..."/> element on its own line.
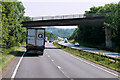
<point x="61" y="32"/>
<point x="51" y="35"/>
<point x="96" y="34"/>
<point x="12" y="16"/>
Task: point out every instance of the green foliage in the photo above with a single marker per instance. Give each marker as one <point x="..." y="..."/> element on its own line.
<point x="74" y="35"/>
<point x="12" y="16"/>
<point x="7" y="55"/>
<point x="60" y="32"/>
<point x="26" y="18"/>
<point x="96" y="34"/>
<point x="112" y="19"/>
<point x="50" y="35"/>
<point x="89" y="34"/>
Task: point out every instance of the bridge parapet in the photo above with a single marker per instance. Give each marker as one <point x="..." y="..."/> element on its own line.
<point x="68" y="16"/>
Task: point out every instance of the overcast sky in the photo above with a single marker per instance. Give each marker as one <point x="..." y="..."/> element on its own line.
<point x="36" y="8"/>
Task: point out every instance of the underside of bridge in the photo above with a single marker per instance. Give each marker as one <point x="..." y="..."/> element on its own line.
<point x="95" y="21"/>
<point x="65" y="22"/>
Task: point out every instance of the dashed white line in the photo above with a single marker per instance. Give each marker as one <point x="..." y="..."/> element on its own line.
<point x="58" y="67"/>
<point x="48" y="56"/>
<point x="63" y="71"/>
<point x="17" y="66"/>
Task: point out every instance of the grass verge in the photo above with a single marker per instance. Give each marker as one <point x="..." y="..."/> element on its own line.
<point x="97" y="58"/>
<point x="6" y="55"/>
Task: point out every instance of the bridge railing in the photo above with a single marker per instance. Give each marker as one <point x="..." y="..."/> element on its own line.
<point x="67" y="16"/>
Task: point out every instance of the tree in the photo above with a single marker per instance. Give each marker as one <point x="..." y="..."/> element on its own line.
<point x="95" y="34"/>
<point x="50" y="35"/>
<point x="12" y="16"/>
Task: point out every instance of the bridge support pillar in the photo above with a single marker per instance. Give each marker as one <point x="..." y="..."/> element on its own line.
<point x="108" y="37"/>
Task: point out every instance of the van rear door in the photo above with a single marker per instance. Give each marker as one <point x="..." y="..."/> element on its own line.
<point x="40" y="41"/>
<point x="31" y="37"/>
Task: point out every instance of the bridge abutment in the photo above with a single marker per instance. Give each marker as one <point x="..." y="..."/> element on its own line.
<point x="108" y="37"/>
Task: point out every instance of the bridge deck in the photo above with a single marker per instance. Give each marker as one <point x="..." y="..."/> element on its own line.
<point x="67" y="20"/>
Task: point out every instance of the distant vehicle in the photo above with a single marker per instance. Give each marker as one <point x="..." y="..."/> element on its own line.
<point x="76" y="44"/>
<point x="35" y="40"/>
<point x="51" y="40"/>
<point x="65" y="40"/>
<point x="46" y="38"/>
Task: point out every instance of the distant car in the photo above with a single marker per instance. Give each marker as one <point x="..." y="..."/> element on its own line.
<point x="76" y="44"/>
<point x="46" y="38"/>
<point x="65" y="40"/>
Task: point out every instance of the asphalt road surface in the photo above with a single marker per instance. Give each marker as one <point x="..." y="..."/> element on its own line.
<point x="56" y="63"/>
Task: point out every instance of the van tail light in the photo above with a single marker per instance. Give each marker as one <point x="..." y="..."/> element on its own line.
<point x="28" y="51"/>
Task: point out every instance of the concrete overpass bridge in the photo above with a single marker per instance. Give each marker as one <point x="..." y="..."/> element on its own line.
<point x="66" y="20"/>
<point x="71" y="20"/>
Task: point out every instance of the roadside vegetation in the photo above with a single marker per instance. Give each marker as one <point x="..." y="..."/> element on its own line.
<point x="60" y="32"/>
<point x="50" y="35"/>
<point x="94" y="36"/>
<point x="7" y="55"/>
<point x="12" y="34"/>
<point x="12" y="16"/>
<point x="97" y="58"/>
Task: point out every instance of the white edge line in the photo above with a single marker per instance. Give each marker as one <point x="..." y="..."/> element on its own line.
<point x="17" y="66"/>
<point x="95" y="66"/>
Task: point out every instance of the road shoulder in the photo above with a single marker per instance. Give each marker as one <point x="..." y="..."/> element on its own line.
<point x="9" y="69"/>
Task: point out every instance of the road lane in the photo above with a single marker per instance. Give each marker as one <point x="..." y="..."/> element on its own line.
<point x="38" y="67"/>
<point x="56" y="63"/>
<point x="75" y="68"/>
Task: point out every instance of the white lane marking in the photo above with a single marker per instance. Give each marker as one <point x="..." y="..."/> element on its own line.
<point x="62" y="71"/>
<point x="94" y="65"/>
<point x="48" y="56"/>
<point x="58" y="67"/>
<point x="17" y="66"/>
